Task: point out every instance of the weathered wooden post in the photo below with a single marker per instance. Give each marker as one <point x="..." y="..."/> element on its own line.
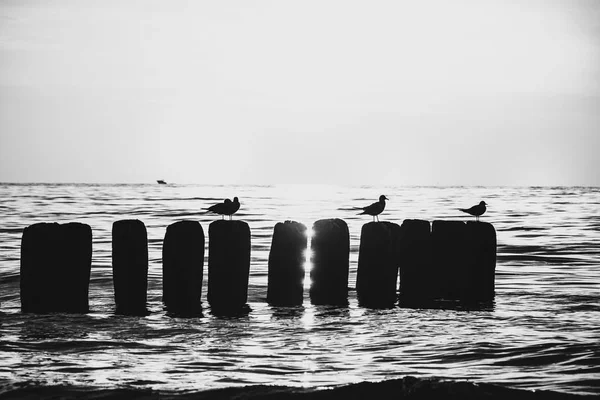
<point x="330" y="247"/>
<point x="482" y="247"/>
<point x="286" y="264"/>
<point x="228" y="265"/>
<point x="40" y="250"/>
<point x="183" y="264"/>
<point x="450" y="260"/>
<point x="464" y="259"/>
<point x="77" y="250"/>
<point x="377" y="274"/>
<point x="55" y="267"/>
<point x="130" y="266"/>
<point x="415" y="261"/>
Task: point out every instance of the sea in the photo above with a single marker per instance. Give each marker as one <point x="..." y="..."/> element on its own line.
<point x="541" y="332"/>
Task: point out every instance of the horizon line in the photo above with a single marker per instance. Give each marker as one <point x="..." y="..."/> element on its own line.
<point x="298" y="184"/>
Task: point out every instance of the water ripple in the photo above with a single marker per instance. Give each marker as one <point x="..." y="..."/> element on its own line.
<point x="541" y="332"/>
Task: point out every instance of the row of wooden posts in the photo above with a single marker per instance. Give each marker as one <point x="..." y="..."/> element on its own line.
<point x="445" y="260"/>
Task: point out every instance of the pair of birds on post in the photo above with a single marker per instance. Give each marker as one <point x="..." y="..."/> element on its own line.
<point x="227" y="207"/>
<point x="377" y="208"/>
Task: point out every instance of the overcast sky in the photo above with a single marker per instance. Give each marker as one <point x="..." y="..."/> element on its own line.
<point x="371" y="92"/>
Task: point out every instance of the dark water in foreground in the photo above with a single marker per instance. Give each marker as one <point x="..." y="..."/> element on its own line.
<point x="542" y="332"/>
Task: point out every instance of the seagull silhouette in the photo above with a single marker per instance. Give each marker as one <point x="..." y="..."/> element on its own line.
<point x="233" y="207"/>
<point x="374" y="209"/>
<point x="227" y="207"/>
<point x="476" y="210"/>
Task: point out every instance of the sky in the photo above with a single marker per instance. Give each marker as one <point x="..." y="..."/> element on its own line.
<point x="433" y="92"/>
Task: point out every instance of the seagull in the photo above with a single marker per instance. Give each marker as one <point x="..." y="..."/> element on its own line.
<point x="374" y="209"/>
<point x="221" y="208"/>
<point x="227" y="207"/>
<point x="477" y="210"/>
<point x="234" y="206"/>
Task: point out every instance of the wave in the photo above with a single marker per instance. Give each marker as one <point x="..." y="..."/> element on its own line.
<point x="408" y="387"/>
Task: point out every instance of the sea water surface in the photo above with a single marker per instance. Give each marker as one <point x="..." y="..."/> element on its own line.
<point x="541" y="332"/>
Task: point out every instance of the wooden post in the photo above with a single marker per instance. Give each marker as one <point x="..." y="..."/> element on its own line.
<point x="55" y="267"/>
<point x="482" y="247"/>
<point x="286" y="264"/>
<point x="183" y="264"/>
<point x="228" y="265"/>
<point x="464" y="259"/>
<point x="77" y="239"/>
<point x="40" y="250"/>
<point x="330" y="247"/>
<point x="415" y="261"/>
<point x="130" y="266"/>
<point x="377" y="274"/>
<point x="450" y="276"/>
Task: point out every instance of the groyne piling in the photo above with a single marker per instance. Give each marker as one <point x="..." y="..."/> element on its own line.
<point x="330" y="246"/>
<point x="182" y="267"/>
<point x="464" y="260"/>
<point x="449" y="278"/>
<point x="377" y="274"/>
<point x="454" y="260"/>
<point x="228" y="265"/>
<point x="130" y="266"/>
<point x="445" y="260"/>
<point x="285" y="285"/>
<point x="415" y="258"/>
<point x="483" y="247"/>
<point x="77" y="258"/>
<point x="56" y="261"/>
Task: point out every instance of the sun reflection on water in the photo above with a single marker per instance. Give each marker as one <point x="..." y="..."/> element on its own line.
<point x="308" y="265"/>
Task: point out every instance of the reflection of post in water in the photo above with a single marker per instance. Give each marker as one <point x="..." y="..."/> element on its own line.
<point x="228" y="265"/>
<point x="130" y="266"/>
<point x="286" y="264"/>
<point x="330" y="245"/>
<point x="55" y="327"/>
<point x="287" y="312"/>
<point x="341" y="312"/>
<point x="56" y="260"/>
<point x="183" y="264"/>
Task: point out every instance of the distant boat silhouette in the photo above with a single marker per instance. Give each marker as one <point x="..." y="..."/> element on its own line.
<point x="227" y="207"/>
<point x="374" y="209"/>
<point x="476" y="210"/>
<point x="160" y="181"/>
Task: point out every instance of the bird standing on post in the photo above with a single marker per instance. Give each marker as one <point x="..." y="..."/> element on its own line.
<point x="476" y="210"/>
<point x="374" y="209"/>
<point x="234" y="206"/>
<point x="227" y="207"/>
